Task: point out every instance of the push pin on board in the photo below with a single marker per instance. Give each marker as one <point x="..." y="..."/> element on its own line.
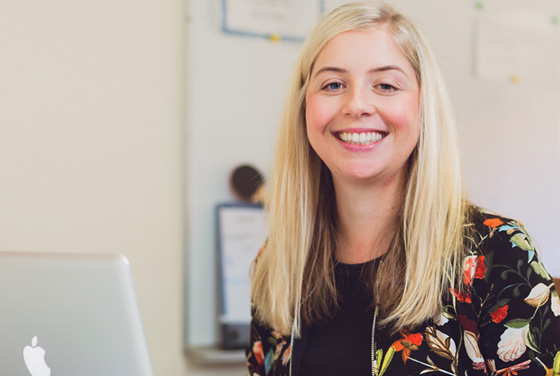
<point x="515" y="79"/>
<point x="479" y="5"/>
<point x="555" y="21"/>
<point x="275" y="38"/>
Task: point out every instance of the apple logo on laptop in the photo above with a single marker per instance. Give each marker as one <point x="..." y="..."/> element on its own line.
<point x="34" y="357"/>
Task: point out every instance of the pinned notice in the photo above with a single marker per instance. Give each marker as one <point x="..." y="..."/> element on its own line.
<point x="517" y="43"/>
<point x="271" y="19"/>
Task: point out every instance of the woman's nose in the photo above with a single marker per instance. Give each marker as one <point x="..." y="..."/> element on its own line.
<point x="359" y="103"/>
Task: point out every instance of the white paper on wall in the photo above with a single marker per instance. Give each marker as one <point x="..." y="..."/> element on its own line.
<point x="282" y="19"/>
<point x="242" y="232"/>
<point x="520" y="46"/>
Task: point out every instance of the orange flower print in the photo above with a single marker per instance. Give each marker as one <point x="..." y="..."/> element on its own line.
<point x="473" y="267"/>
<point x="258" y="351"/>
<point x="512" y="371"/>
<point x="461" y="296"/>
<point x="499" y="314"/>
<point x="469" y="266"/>
<point x="480" y="268"/>
<point x="408" y="343"/>
<point x="493" y="222"/>
<point x="287" y="356"/>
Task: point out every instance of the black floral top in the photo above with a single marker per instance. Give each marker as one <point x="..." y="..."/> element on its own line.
<point x="505" y="322"/>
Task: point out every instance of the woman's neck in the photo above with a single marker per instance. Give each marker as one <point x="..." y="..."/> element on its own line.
<point x="368" y="218"/>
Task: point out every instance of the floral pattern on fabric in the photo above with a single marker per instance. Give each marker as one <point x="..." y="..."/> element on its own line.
<point x="504" y="321"/>
<point x="270" y="356"/>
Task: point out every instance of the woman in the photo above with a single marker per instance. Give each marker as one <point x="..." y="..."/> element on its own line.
<point x="376" y="263"/>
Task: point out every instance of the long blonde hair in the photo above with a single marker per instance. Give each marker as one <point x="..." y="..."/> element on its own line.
<point x="293" y="280"/>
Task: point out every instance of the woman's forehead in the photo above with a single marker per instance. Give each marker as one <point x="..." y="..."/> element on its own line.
<point x="365" y="48"/>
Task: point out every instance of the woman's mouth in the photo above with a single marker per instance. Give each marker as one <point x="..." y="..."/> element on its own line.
<point x="360" y="138"/>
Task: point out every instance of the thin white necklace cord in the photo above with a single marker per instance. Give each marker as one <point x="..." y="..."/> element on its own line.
<point x="374" y="324"/>
<point x="292" y="345"/>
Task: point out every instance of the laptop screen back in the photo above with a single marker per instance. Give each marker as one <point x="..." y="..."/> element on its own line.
<point x="69" y="315"/>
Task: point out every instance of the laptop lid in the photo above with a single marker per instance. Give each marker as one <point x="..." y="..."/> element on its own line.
<point x="69" y="315"/>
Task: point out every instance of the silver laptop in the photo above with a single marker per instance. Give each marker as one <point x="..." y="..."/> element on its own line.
<point x="69" y="315"/>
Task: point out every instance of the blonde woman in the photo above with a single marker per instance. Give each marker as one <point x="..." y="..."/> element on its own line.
<point x="376" y="263"/>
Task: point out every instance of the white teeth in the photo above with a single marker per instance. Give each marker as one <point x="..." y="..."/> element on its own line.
<point x="362" y="138"/>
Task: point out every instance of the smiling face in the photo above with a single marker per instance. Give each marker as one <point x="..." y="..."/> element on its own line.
<point x="362" y="107"/>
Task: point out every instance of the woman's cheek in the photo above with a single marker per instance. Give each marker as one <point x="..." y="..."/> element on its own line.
<point x="316" y="114"/>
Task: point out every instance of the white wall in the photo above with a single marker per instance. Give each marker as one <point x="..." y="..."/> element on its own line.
<point x="91" y="144"/>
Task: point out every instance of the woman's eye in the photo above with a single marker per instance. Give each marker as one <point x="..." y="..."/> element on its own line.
<point x="387" y="88"/>
<point x="333" y="86"/>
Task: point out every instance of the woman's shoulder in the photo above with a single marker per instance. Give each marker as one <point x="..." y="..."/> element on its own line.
<point x="501" y="256"/>
<point x="498" y="251"/>
<point x="508" y="297"/>
<point x="488" y="233"/>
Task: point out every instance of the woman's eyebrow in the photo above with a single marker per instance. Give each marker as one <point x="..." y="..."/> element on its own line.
<point x="330" y="69"/>
<point x="387" y="68"/>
